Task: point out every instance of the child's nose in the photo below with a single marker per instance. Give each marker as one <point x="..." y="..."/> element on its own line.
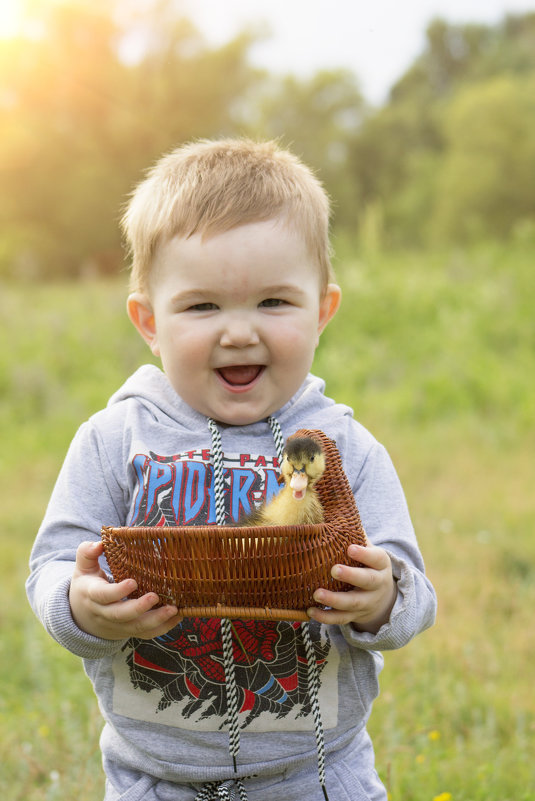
<point x="239" y="332"/>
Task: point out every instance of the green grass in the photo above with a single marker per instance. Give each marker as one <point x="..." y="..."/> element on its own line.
<point x="435" y="352"/>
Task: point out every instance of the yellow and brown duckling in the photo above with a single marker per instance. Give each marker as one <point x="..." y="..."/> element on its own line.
<point x="303" y="464"/>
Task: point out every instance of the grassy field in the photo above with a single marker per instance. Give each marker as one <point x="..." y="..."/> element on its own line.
<point x="436" y="354"/>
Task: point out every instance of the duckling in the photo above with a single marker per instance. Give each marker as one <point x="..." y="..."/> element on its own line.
<point x="297" y="503"/>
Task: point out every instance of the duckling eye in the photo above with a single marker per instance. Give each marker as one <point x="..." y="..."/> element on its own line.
<point x="312" y="458"/>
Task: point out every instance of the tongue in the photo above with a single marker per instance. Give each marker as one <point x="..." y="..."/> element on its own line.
<point x="240" y="374"/>
<point x="298" y="483"/>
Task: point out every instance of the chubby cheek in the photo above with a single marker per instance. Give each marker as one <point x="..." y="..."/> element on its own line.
<point x="185" y="343"/>
<point x="181" y="358"/>
<point x="295" y="345"/>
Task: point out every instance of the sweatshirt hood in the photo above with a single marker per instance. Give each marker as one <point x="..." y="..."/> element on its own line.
<point x="150" y="386"/>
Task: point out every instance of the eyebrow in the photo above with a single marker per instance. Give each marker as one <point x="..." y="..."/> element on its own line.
<point x="282" y="289"/>
<point x="269" y="291"/>
<point x="187" y="295"/>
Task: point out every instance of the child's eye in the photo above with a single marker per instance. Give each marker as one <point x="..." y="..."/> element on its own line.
<point x="271" y="303"/>
<point x="202" y="307"/>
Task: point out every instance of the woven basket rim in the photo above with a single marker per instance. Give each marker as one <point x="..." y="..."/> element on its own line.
<point x="297" y="532"/>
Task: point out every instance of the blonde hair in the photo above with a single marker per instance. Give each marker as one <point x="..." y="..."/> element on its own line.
<point x="210" y="187"/>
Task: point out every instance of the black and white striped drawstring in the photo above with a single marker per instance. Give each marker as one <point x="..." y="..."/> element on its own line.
<point x="226" y="626"/>
<point x="277" y="436"/>
<point x="221" y="791"/>
<point x="217" y="463"/>
<point x="213" y="791"/>
<point x="313" y="692"/>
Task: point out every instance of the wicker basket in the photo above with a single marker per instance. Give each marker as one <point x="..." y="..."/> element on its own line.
<point x="266" y="572"/>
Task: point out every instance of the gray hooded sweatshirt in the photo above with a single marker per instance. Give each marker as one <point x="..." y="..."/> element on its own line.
<point x="146" y="460"/>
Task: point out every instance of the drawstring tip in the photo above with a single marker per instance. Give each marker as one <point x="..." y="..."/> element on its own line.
<point x="236" y="766"/>
<point x="325" y="792"/>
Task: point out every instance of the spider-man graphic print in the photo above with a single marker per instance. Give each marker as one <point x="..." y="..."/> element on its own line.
<point x="185" y="668"/>
<point x="178" y="490"/>
<point x="178" y="679"/>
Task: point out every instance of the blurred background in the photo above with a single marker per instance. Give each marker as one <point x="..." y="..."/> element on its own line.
<point x="433" y="142"/>
<point x="419" y="117"/>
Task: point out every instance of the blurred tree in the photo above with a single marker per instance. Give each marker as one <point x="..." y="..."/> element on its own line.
<point x="397" y="156"/>
<point x="317" y="118"/>
<point x="455" y="54"/>
<point x="486" y="178"/>
<point x="391" y="163"/>
<point x="450" y="52"/>
<point x="80" y="123"/>
<point x="182" y="89"/>
<point x="60" y="86"/>
<point x="100" y="88"/>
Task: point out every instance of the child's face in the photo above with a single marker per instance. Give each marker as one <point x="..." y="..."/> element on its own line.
<point x="235" y="318"/>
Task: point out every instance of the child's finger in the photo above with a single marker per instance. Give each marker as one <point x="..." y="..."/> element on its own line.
<point x="113" y="608"/>
<point x="163" y="627"/>
<point x="330" y="616"/>
<point x="363" y="578"/>
<point x="135" y="608"/>
<point x="139" y="617"/>
<point x="341" y="601"/>
<point x="156" y="619"/>
<point x="103" y="593"/>
<point x="369" y="555"/>
<point x="87" y="555"/>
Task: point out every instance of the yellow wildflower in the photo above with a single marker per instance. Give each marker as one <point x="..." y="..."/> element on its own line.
<point x="443" y="797"/>
<point x="435" y="735"/>
<point x="420" y="759"/>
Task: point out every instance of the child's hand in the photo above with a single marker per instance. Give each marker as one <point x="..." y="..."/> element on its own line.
<point x="98" y="607"/>
<point x="368" y="606"/>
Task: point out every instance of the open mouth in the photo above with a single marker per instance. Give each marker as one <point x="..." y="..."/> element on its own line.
<point x="299" y="483"/>
<point x="240" y="376"/>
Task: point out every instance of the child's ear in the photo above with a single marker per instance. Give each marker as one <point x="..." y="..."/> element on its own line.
<point x="140" y="311"/>
<point x="329" y="305"/>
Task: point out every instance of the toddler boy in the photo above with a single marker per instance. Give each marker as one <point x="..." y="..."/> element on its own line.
<point x="231" y="288"/>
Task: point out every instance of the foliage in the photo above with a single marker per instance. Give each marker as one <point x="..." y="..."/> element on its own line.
<point x="317" y="118"/>
<point x="435" y="352"/>
<point x="80" y="125"/>
<point x="459" y="54"/>
<point x="95" y="92"/>
<point x="443" y="155"/>
<point x="486" y="178"/>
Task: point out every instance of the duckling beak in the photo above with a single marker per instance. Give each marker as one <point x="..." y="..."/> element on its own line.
<point x="298" y="483"/>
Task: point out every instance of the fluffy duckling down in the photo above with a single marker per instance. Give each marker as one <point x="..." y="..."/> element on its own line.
<point x="303" y="464"/>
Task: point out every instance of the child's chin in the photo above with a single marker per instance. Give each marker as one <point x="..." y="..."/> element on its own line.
<point x="240" y="415"/>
